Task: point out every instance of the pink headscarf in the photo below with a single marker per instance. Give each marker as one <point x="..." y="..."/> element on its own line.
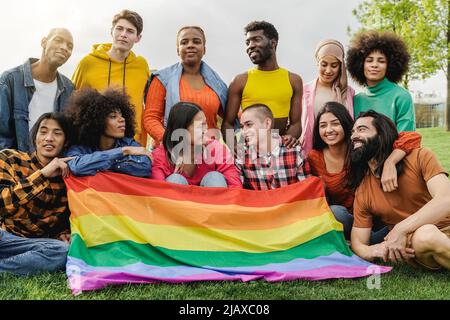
<point x="336" y="49"/>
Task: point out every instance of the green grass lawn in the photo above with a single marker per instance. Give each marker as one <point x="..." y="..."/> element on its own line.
<point x="404" y="282"/>
<point x="437" y="140"/>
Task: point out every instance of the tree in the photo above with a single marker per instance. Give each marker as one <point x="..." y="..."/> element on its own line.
<point x="423" y="25"/>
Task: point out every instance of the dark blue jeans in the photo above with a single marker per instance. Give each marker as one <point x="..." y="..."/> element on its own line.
<point x="23" y="256"/>
<point x="379" y="230"/>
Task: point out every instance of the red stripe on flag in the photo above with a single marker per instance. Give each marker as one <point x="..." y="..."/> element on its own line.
<point x="308" y="189"/>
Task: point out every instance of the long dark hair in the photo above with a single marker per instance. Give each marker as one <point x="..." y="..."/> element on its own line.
<point x="387" y="134"/>
<point x="346" y="121"/>
<point x="180" y="117"/>
<point x="344" y="117"/>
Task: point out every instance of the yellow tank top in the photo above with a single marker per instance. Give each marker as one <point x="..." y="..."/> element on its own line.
<point x="271" y="88"/>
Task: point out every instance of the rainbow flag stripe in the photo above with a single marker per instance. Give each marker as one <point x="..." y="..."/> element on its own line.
<point x="134" y="230"/>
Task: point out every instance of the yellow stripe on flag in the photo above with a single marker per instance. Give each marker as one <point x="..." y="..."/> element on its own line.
<point x="107" y="229"/>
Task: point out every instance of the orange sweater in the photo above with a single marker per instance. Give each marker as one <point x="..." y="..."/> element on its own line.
<point x="206" y="98"/>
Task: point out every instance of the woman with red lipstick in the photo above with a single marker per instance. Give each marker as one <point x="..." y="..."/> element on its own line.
<point x="104" y="125"/>
<point x="378" y="61"/>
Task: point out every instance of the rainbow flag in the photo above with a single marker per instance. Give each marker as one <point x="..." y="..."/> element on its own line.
<point x="134" y="230"/>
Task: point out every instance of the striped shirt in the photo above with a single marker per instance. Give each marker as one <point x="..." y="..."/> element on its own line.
<point x="277" y="169"/>
<point x="31" y="205"/>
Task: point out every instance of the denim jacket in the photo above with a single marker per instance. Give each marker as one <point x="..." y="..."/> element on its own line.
<point x="88" y="161"/>
<point x="170" y="78"/>
<point x="16" y="90"/>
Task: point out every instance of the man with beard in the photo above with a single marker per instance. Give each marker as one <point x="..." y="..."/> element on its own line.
<point x="34" y="88"/>
<point x="266" y="84"/>
<point x="417" y="213"/>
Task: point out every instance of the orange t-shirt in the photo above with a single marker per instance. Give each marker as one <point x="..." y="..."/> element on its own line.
<point x="412" y="194"/>
<point x="335" y="183"/>
<point x="155" y="105"/>
<point x="337" y="193"/>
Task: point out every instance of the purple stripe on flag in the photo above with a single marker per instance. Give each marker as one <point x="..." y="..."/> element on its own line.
<point x="83" y="277"/>
<point x="98" y="279"/>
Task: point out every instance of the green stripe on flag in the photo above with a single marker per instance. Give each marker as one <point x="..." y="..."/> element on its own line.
<point x="122" y="253"/>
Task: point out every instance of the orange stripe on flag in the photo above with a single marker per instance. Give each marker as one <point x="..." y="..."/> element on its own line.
<point x="190" y="214"/>
<point x="121" y="184"/>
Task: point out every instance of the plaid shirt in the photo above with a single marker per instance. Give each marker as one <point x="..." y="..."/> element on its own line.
<point x="31" y="205"/>
<point x="280" y="168"/>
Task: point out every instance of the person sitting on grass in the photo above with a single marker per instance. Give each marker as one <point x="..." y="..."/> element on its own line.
<point x="330" y="160"/>
<point x="104" y="130"/>
<point x="417" y="213"/>
<point x="34" y="216"/>
<point x="186" y="155"/>
<point x="265" y="162"/>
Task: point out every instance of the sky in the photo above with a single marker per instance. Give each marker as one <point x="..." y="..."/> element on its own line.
<point x="300" y="23"/>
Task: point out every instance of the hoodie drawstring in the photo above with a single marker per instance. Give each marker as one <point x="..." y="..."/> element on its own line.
<point x="124" y="73"/>
<point x="109" y="73"/>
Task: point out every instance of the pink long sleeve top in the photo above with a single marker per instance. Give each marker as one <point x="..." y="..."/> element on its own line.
<point x="215" y="158"/>
<point x="308" y="115"/>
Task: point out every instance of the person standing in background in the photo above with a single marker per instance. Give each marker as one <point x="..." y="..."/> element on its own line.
<point x="190" y="80"/>
<point x="330" y="85"/>
<point x="116" y="65"/>
<point x="378" y="61"/>
<point x="34" y="88"/>
<point x="268" y="84"/>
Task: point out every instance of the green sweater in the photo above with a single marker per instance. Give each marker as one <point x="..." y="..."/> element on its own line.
<point x="391" y="100"/>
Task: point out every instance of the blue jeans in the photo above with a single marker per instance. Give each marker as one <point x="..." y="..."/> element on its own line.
<point x="212" y="179"/>
<point x="379" y="230"/>
<point x="24" y="256"/>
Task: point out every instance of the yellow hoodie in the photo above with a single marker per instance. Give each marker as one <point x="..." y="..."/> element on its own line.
<point x="99" y="71"/>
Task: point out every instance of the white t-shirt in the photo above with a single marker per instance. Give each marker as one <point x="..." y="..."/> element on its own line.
<point x="43" y="100"/>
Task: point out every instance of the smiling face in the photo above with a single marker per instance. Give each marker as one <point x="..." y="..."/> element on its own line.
<point x="191" y="46"/>
<point x="124" y="35"/>
<point x="331" y="130"/>
<point x="197" y="129"/>
<point x="365" y="143"/>
<point x="259" y="47"/>
<point x="57" y="47"/>
<point x="253" y="126"/>
<point x="115" y="125"/>
<point x="375" y="67"/>
<point x="329" y="69"/>
<point x="50" y="139"/>
<point x="363" y="130"/>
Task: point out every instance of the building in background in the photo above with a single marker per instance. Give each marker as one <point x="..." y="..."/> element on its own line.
<point x="430" y="110"/>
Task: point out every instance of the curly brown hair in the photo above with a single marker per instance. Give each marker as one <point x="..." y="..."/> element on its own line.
<point x="388" y="43"/>
<point x="88" y="109"/>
